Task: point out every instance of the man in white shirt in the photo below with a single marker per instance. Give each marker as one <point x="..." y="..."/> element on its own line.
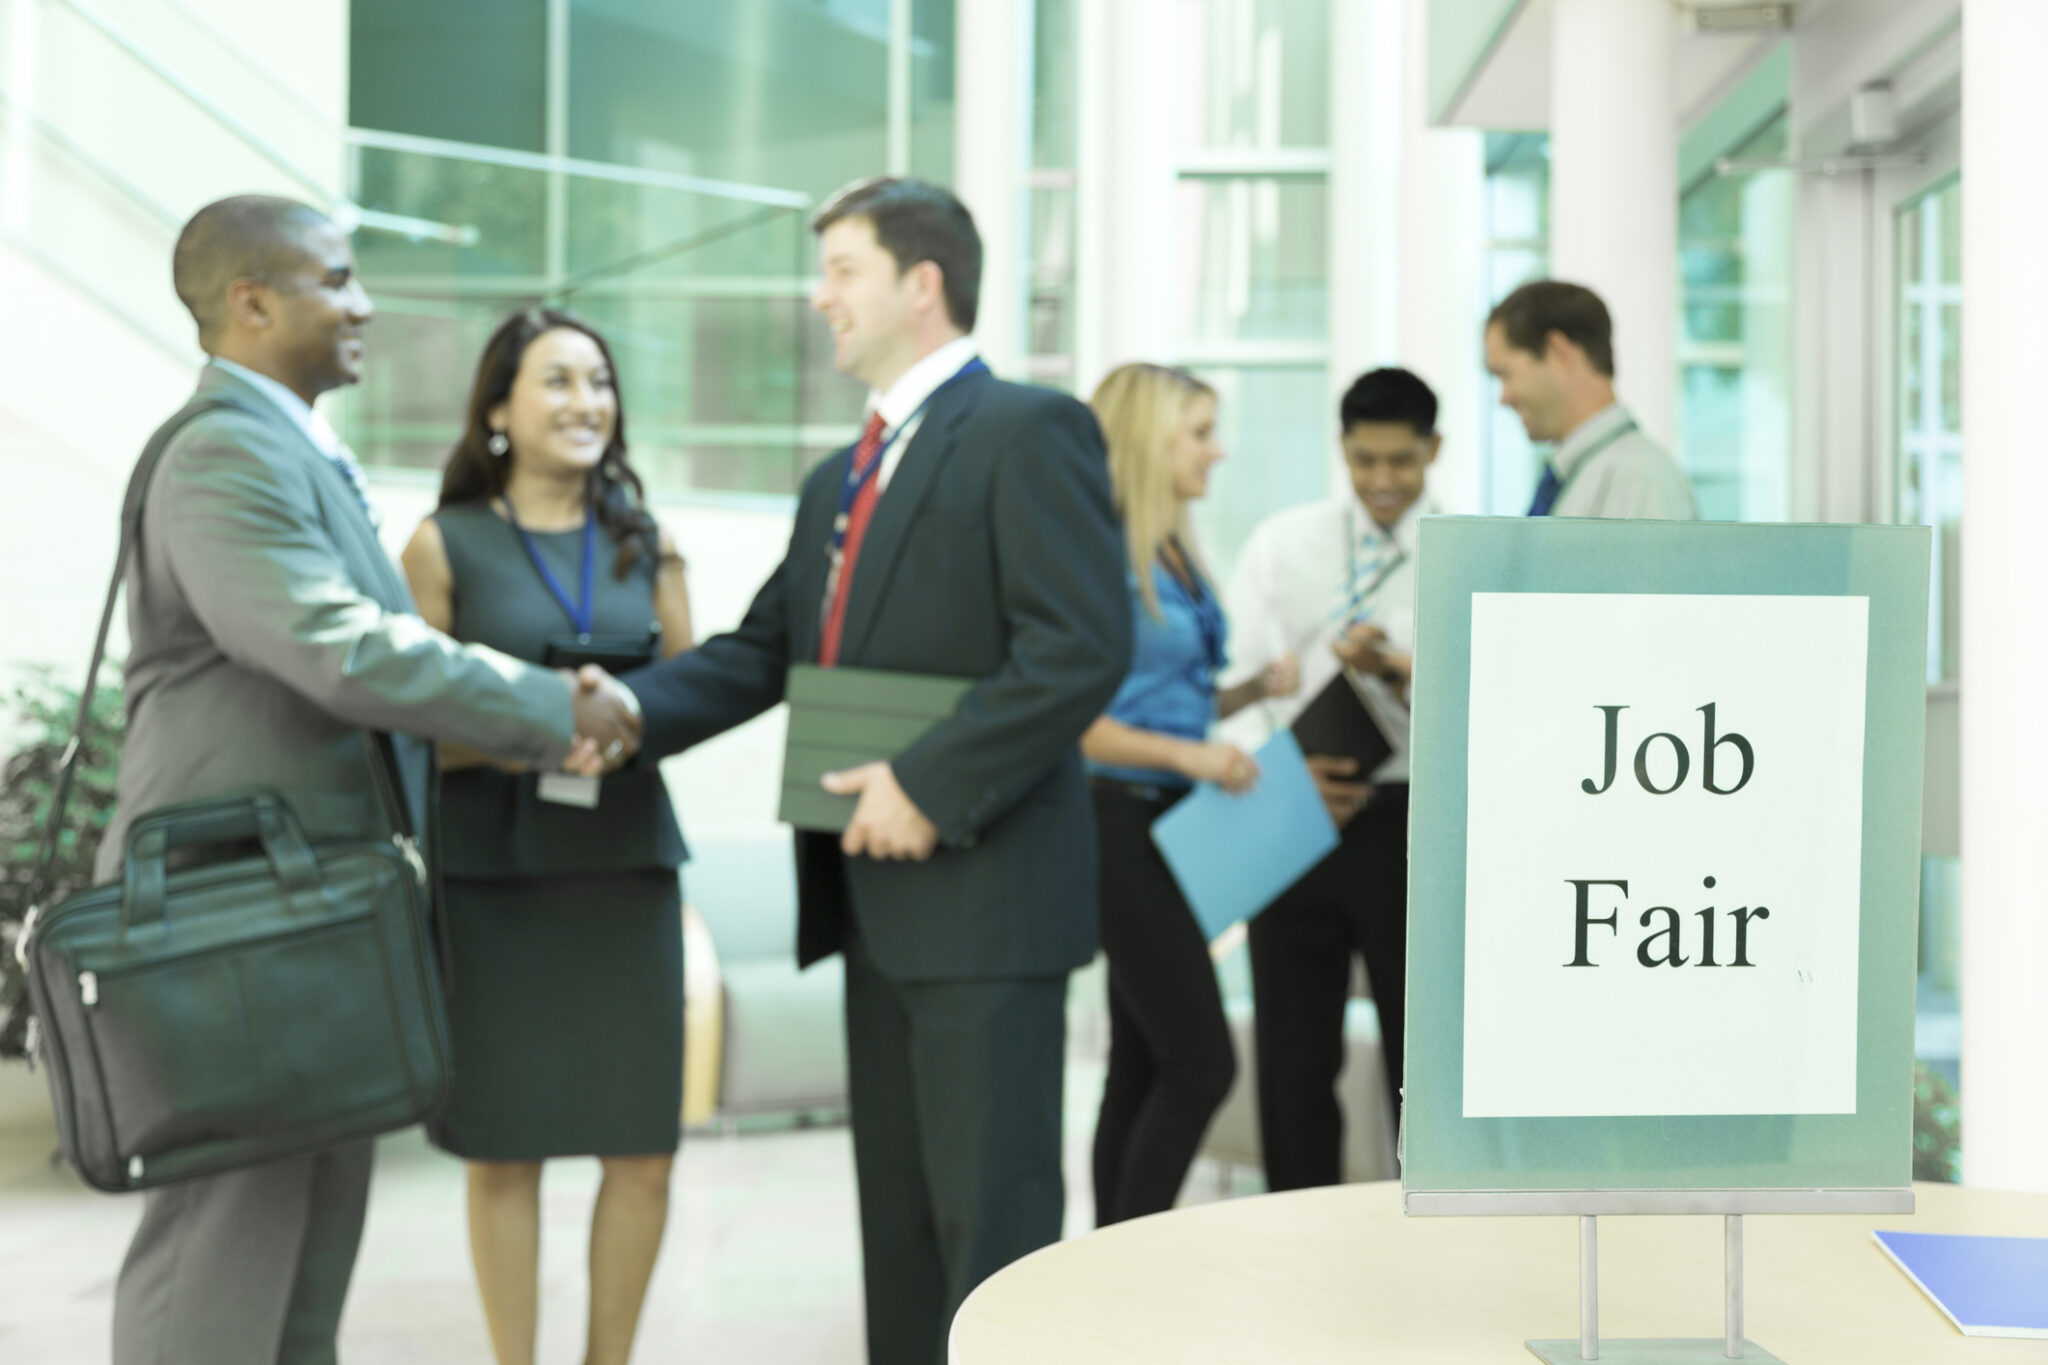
<point x="1551" y="346"/>
<point x="1335" y="581"/>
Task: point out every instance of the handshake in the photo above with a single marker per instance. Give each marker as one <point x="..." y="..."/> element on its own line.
<point x="608" y="723"/>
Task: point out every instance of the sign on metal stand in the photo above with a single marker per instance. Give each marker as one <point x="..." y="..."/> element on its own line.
<point x="1663" y="880"/>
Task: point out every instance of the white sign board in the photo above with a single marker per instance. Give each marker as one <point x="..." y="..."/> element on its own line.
<point x="1665" y="813"/>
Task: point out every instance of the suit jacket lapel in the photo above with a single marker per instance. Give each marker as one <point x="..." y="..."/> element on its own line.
<point x="909" y="486"/>
<point x="356" y="539"/>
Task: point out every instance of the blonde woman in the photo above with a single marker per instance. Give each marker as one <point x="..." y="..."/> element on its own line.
<point x="1170" y="1059"/>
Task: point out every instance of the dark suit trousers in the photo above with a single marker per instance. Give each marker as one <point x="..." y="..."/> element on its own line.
<point x="1170" y="1057"/>
<point x="246" y="1268"/>
<point x="955" y="1088"/>
<point x="1354" y="901"/>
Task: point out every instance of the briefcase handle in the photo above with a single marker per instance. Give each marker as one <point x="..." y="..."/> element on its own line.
<point x="262" y="816"/>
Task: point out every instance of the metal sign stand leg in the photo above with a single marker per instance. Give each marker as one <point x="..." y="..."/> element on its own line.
<point x="1654" y="1350"/>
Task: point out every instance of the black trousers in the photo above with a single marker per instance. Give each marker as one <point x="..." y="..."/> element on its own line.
<point x="1354" y="901"/>
<point x="956" y="1091"/>
<point x="1170" y="1059"/>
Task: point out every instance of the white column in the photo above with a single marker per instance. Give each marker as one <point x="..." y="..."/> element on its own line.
<point x="1614" y="183"/>
<point x="1124" y="265"/>
<point x="1443" y="295"/>
<point x="2005" y="636"/>
<point x="991" y="139"/>
<point x="1366" y="247"/>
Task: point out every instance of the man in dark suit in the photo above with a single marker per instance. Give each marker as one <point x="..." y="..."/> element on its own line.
<point x="268" y="631"/>
<point x="971" y="532"/>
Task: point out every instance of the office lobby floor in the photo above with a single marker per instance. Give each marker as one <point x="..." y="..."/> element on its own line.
<point x="761" y="1262"/>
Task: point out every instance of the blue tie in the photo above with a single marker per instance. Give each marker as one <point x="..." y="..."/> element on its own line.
<point x="1546" y="492"/>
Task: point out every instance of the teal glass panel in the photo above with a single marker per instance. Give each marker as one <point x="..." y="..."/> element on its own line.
<point x="699" y="295"/>
<point x="1870" y="1148"/>
<point x="1253" y="73"/>
<point x="451" y="69"/>
<point x="1276" y="425"/>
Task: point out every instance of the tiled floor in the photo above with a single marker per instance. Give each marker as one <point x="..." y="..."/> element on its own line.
<point x="761" y="1262"/>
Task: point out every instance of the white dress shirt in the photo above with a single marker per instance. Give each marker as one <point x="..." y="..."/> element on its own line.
<point x="899" y="406"/>
<point x="1304" y="576"/>
<point x="1611" y="469"/>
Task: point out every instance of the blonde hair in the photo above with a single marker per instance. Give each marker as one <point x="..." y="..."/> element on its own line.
<point x="1142" y="407"/>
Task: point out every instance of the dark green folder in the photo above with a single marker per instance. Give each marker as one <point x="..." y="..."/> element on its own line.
<point x="844" y="717"/>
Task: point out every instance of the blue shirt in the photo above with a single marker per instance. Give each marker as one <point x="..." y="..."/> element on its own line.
<point x="1175" y="657"/>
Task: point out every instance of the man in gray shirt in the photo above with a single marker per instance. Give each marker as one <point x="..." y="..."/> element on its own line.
<point x="1551" y="346"/>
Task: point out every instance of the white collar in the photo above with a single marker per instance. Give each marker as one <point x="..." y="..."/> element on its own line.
<point x="1572" y="449"/>
<point x="1402" y="532"/>
<point x="920" y="381"/>
<point x="290" y="404"/>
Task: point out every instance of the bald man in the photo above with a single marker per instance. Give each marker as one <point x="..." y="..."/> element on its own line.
<point x="270" y="634"/>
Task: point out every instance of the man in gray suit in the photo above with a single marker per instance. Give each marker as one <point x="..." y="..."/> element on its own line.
<point x="269" y="631"/>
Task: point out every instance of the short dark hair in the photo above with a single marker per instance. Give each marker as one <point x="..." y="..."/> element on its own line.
<point x="1541" y="307"/>
<point x="1389" y="395"/>
<point x="248" y="236"/>
<point x="915" y="220"/>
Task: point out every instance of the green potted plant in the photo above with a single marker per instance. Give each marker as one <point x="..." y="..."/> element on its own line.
<point x="41" y="713"/>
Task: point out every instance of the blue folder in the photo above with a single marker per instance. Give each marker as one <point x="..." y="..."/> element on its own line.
<point x="1234" y="855"/>
<point x="1986" y="1286"/>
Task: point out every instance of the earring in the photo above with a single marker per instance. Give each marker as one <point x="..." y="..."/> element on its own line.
<point x="498" y="444"/>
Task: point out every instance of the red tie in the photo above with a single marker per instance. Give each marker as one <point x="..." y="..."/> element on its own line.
<point x="864" y="456"/>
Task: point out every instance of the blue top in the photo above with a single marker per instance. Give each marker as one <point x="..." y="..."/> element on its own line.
<point x="1171" y="688"/>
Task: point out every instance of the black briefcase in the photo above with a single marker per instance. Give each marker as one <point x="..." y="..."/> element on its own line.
<point x="204" y="1015"/>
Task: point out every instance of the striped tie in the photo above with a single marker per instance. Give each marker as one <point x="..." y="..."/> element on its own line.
<point x="345" y="460"/>
<point x="864" y="456"/>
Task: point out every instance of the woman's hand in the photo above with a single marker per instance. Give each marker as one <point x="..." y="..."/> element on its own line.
<point x="1228" y="766"/>
<point x="1282" y="677"/>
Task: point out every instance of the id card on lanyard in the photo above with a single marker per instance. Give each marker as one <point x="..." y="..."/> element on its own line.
<point x="567" y="789"/>
<point x="857" y="479"/>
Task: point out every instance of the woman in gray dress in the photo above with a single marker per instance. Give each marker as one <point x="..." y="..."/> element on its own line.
<point x="561" y="897"/>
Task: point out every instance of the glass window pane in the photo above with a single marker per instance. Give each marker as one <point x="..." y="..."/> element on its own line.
<point x="758" y="91"/>
<point x="450" y="68"/>
<point x="1251" y="260"/>
<point x="1054" y="118"/>
<point x="1254" y="73"/>
<point x="931" y="93"/>
<point x="1052" y="272"/>
<point x="1929" y="458"/>
<point x="1735" y="338"/>
<point x="1275" y="425"/>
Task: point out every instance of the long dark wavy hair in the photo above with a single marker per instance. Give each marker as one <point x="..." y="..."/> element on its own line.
<point x="473" y="474"/>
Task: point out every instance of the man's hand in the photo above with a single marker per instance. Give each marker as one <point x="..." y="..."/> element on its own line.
<point x="607" y="722"/>
<point x="1364" y="647"/>
<point x="1281" y="678"/>
<point x="1341" y="797"/>
<point x="886" y="823"/>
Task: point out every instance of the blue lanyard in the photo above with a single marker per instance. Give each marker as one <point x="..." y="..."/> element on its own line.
<point x="582" y="615"/>
<point x="857" y="478"/>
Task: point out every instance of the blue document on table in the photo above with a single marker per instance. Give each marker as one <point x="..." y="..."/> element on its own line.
<point x="1234" y="855"/>
<point x="1986" y="1286"/>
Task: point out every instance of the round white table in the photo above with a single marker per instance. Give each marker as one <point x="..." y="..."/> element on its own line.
<point x="1340" y="1275"/>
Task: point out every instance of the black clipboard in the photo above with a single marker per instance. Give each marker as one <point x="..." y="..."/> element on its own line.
<point x="614" y="654"/>
<point x="1336" y="723"/>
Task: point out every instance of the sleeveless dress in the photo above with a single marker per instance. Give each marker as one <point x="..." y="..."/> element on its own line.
<point x="564" y="926"/>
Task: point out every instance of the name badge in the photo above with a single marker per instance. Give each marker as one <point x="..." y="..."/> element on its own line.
<point x="567" y="789"/>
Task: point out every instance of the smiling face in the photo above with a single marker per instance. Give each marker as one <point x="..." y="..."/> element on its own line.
<point x="1530" y="384"/>
<point x="314" y="312"/>
<point x="1192" y="449"/>
<point x="563" y="408"/>
<point x="873" y="307"/>
<point x="1389" y="465"/>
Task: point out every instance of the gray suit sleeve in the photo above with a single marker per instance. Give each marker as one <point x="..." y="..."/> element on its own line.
<point x="263" y="575"/>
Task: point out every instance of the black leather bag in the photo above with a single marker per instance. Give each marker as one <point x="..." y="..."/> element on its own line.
<point x="204" y="1015"/>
